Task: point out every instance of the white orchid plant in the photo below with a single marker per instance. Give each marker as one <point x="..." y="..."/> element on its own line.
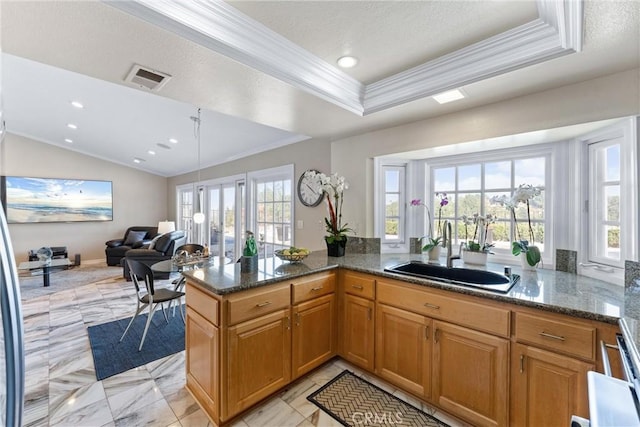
<point x="478" y="242"/>
<point x="333" y="186"/>
<point x="433" y="241"/>
<point x="523" y="194"/>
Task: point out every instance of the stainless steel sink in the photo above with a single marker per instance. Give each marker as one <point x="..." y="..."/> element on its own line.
<point x="486" y="280"/>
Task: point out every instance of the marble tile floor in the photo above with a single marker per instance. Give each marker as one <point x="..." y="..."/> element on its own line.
<point x="61" y="387"/>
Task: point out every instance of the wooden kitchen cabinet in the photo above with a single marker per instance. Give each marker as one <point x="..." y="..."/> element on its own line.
<point x="470" y="374"/>
<point x="259" y="359"/>
<point x="314" y="333"/>
<point x="547" y="388"/>
<point x="358" y="331"/>
<point x="403" y="349"/>
<point x="202" y="363"/>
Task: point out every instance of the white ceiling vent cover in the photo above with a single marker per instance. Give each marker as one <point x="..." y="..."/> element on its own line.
<point x="147" y="78"/>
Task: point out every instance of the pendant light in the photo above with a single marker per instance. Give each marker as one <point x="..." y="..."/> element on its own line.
<point x="198" y="217"/>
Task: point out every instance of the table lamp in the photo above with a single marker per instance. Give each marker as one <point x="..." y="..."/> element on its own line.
<point x="166" y="226"/>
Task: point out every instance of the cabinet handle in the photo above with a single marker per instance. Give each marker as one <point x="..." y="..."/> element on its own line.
<point x="297" y="319"/>
<point x="426" y="333"/>
<point x="436" y="335"/>
<point x="360" y="287"/>
<point x="553" y="337"/>
<point x="288" y="322"/>
<point x="521" y="363"/>
<point x="369" y="313"/>
<point x="435" y="307"/>
<point x="317" y="289"/>
<point x="263" y="304"/>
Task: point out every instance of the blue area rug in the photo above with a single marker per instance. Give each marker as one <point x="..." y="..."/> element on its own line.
<point x="112" y="357"/>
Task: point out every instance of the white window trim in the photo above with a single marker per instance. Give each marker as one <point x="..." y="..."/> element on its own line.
<point x="179" y="189"/>
<point x="547" y="150"/>
<point x="403" y="245"/>
<point x="629" y="209"/>
<point x="277" y="172"/>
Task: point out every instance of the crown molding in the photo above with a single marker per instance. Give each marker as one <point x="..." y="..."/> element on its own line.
<point x="223" y="29"/>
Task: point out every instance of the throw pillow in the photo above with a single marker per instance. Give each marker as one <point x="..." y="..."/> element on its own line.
<point x="153" y="242"/>
<point x="134" y="236"/>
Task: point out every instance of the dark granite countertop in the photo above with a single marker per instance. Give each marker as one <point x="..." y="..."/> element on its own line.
<point x="549" y="290"/>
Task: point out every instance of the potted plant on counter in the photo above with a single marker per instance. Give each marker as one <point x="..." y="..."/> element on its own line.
<point x="333" y="187"/>
<point x="476" y="249"/>
<point x="433" y="245"/>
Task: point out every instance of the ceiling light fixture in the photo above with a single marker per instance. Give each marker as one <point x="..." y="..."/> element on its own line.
<point x="347" y="61"/>
<point x="77" y="104"/>
<point x="153" y="153"/>
<point x="449" y="96"/>
<point x="198" y="217"/>
<point x="173" y="140"/>
<point x="69" y="140"/>
<point x="72" y="126"/>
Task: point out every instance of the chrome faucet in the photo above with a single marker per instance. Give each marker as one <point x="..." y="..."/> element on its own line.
<point x="446" y="241"/>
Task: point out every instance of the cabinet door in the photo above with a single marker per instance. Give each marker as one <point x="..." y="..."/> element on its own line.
<point x="403" y="349"/>
<point x="314" y="339"/>
<point x="471" y="374"/>
<point x="202" y="345"/>
<point x="358" y="332"/>
<point x="258" y="360"/>
<point x="547" y="388"/>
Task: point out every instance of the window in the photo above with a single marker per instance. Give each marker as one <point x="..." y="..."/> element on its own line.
<point x="273" y="209"/>
<point x="185" y="211"/>
<point x="474" y="188"/>
<point x="226" y="217"/>
<point x="610" y="200"/>
<point x="394" y="203"/>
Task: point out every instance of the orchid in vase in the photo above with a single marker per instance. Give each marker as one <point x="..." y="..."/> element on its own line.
<point x="478" y="242"/>
<point x="437" y="240"/>
<point x="523" y="194"/>
<point x="333" y="187"/>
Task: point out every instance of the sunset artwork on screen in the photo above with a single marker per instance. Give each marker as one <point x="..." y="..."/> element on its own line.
<point x="29" y="200"/>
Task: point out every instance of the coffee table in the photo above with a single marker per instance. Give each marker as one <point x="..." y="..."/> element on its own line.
<point x="45" y="266"/>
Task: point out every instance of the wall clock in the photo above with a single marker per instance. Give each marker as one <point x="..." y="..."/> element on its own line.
<point x="309" y="192"/>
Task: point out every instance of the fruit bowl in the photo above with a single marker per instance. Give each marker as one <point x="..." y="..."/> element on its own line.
<point x="291" y="257"/>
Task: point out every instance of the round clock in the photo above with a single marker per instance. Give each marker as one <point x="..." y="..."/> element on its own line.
<point x="309" y="193"/>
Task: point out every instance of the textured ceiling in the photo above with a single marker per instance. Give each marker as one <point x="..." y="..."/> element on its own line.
<point x="92" y="39"/>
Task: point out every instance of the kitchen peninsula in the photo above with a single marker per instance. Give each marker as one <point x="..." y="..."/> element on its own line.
<point x="479" y="355"/>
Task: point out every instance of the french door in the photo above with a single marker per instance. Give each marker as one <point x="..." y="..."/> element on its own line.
<point x="226" y="219"/>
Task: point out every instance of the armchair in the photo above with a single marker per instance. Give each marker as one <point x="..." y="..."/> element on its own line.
<point x="133" y="238"/>
<point x="163" y="248"/>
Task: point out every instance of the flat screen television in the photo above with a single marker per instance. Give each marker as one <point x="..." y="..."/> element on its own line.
<point x="33" y="200"/>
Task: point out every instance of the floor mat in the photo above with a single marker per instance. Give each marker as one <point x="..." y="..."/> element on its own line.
<point x="353" y="401"/>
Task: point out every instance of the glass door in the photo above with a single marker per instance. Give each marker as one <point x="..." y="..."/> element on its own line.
<point x="226" y="219"/>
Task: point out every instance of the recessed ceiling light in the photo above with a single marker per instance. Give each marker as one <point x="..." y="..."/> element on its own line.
<point x="77" y="104"/>
<point x="70" y="141"/>
<point x="173" y="140"/>
<point x="153" y="153"/>
<point x="165" y="146"/>
<point x="72" y="126"/>
<point x="347" y="61"/>
<point x="449" y="96"/>
<point x="138" y="160"/>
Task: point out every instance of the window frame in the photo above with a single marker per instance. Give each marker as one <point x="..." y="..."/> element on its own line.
<point x="627" y="132"/>
<point x="545" y="150"/>
<point x="405" y="222"/>
<point x="285" y="172"/>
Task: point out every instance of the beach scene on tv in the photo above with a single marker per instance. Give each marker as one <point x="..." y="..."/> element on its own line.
<point x="57" y="200"/>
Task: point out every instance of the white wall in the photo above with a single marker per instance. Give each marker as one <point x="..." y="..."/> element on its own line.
<point x="612" y="96"/>
<point x="139" y="198"/>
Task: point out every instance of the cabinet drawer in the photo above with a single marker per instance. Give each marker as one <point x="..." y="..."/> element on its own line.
<point x="421" y="300"/>
<point x="205" y="304"/>
<point x="557" y="334"/>
<point x="313" y="286"/>
<point x="256" y="302"/>
<point x="360" y="285"/>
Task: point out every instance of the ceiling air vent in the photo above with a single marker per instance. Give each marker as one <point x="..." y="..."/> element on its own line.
<point x="147" y="78"/>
